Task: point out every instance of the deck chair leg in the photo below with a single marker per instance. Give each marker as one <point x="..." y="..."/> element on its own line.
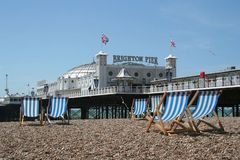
<point x="20" y="115"/>
<point x="41" y="117"/>
<point x="133" y="118"/>
<point x="199" y="122"/>
<point x="195" y="126"/>
<point x="156" y="112"/>
<point x="148" y="117"/>
<point x="191" y="121"/>
<point x="218" y="121"/>
<point x="212" y="125"/>
<point x="174" y="125"/>
<point x="161" y="128"/>
<point x="150" y="123"/>
<point x="190" y="124"/>
<point x="132" y="115"/>
<point x="47" y="120"/>
<point x="68" y="116"/>
<point x="209" y="124"/>
<point x="22" y="120"/>
<point x="160" y="125"/>
<point x="177" y="122"/>
<point x="63" y="119"/>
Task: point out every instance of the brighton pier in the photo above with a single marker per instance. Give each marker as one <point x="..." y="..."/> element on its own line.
<point x="107" y="91"/>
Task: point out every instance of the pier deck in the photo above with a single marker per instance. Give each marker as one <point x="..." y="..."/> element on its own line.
<point x="115" y="101"/>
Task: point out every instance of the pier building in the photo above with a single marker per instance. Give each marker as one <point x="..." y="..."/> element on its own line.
<point x="125" y="71"/>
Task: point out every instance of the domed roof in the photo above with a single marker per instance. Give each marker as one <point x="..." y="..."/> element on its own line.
<point x="81" y="71"/>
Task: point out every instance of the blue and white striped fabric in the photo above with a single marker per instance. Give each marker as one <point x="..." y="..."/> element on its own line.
<point x="176" y="103"/>
<point x="30" y="106"/>
<point x="155" y="100"/>
<point x="207" y="102"/>
<point x="140" y="106"/>
<point x="58" y="106"/>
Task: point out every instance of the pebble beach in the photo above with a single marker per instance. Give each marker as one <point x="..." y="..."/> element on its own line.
<point x="115" y="139"/>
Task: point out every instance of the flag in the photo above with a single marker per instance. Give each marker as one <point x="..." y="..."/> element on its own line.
<point x="104" y="39"/>
<point x="172" y="43"/>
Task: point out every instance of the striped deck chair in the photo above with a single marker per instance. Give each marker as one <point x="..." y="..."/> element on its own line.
<point x="57" y="108"/>
<point x="206" y="104"/>
<point x="138" y="108"/>
<point x="30" y="107"/>
<point x="176" y="103"/>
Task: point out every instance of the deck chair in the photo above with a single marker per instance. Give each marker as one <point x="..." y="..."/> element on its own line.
<point x="138" y="108"/>
<point x="30" y="107"/>
<point x="206" y="104"/>
<point x="57" y="108"/>
<point x="176" y="103"/>
<point x="155" y="100"/>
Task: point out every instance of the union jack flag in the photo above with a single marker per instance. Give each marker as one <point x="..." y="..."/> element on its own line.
<point x="104" y="39"/>
<point x="172" y="43"/>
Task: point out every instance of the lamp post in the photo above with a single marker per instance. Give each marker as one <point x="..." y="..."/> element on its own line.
<point x="7" y="91"/>
<point x="32" y="92"/>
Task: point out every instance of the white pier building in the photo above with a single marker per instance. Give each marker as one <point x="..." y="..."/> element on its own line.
<point x="125" y="71"/>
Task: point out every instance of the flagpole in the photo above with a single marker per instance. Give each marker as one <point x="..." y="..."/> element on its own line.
<point x="101" y="43"/>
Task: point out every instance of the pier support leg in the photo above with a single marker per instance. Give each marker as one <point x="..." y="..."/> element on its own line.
<point x="107" y="112"/>
<point x="113" y="112"/>
<point x="233" y="111"/>
<point x="84" y="112"/>
<point x="237" y="111"/>
<point x="222" y="111"/>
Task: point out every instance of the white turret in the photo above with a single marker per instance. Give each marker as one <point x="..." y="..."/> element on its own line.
<point x="170" y="62"/>
<point x="170" y="66"/>
<point x="101" y="58"/>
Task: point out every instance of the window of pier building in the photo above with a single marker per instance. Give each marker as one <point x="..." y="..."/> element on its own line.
<point x="110" y="73"/>
<point x="136" y="74"/>
<point x="148" y="74"/>
<point x="160" y="75"/>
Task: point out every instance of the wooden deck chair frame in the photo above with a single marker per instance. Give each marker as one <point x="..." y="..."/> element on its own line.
<point x="21" y="112"/>
<point x="47" y="116"/>
<point x="132" y="110"/>
<point x="150" y="113"/>
<point x="160" y="124"/>
<point x="187" y="112"/>
<point x="196" y="122"/>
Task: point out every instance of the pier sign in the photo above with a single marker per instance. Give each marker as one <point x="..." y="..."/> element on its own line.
<point x="120" y="58"/>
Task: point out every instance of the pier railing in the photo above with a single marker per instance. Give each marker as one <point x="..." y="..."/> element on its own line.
<point x="228" y="80"/>
<point x="197" y="83"/>
<point x="104" y="91"/>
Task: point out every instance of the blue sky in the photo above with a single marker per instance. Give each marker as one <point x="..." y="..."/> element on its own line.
<point x="43" y="39"/>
